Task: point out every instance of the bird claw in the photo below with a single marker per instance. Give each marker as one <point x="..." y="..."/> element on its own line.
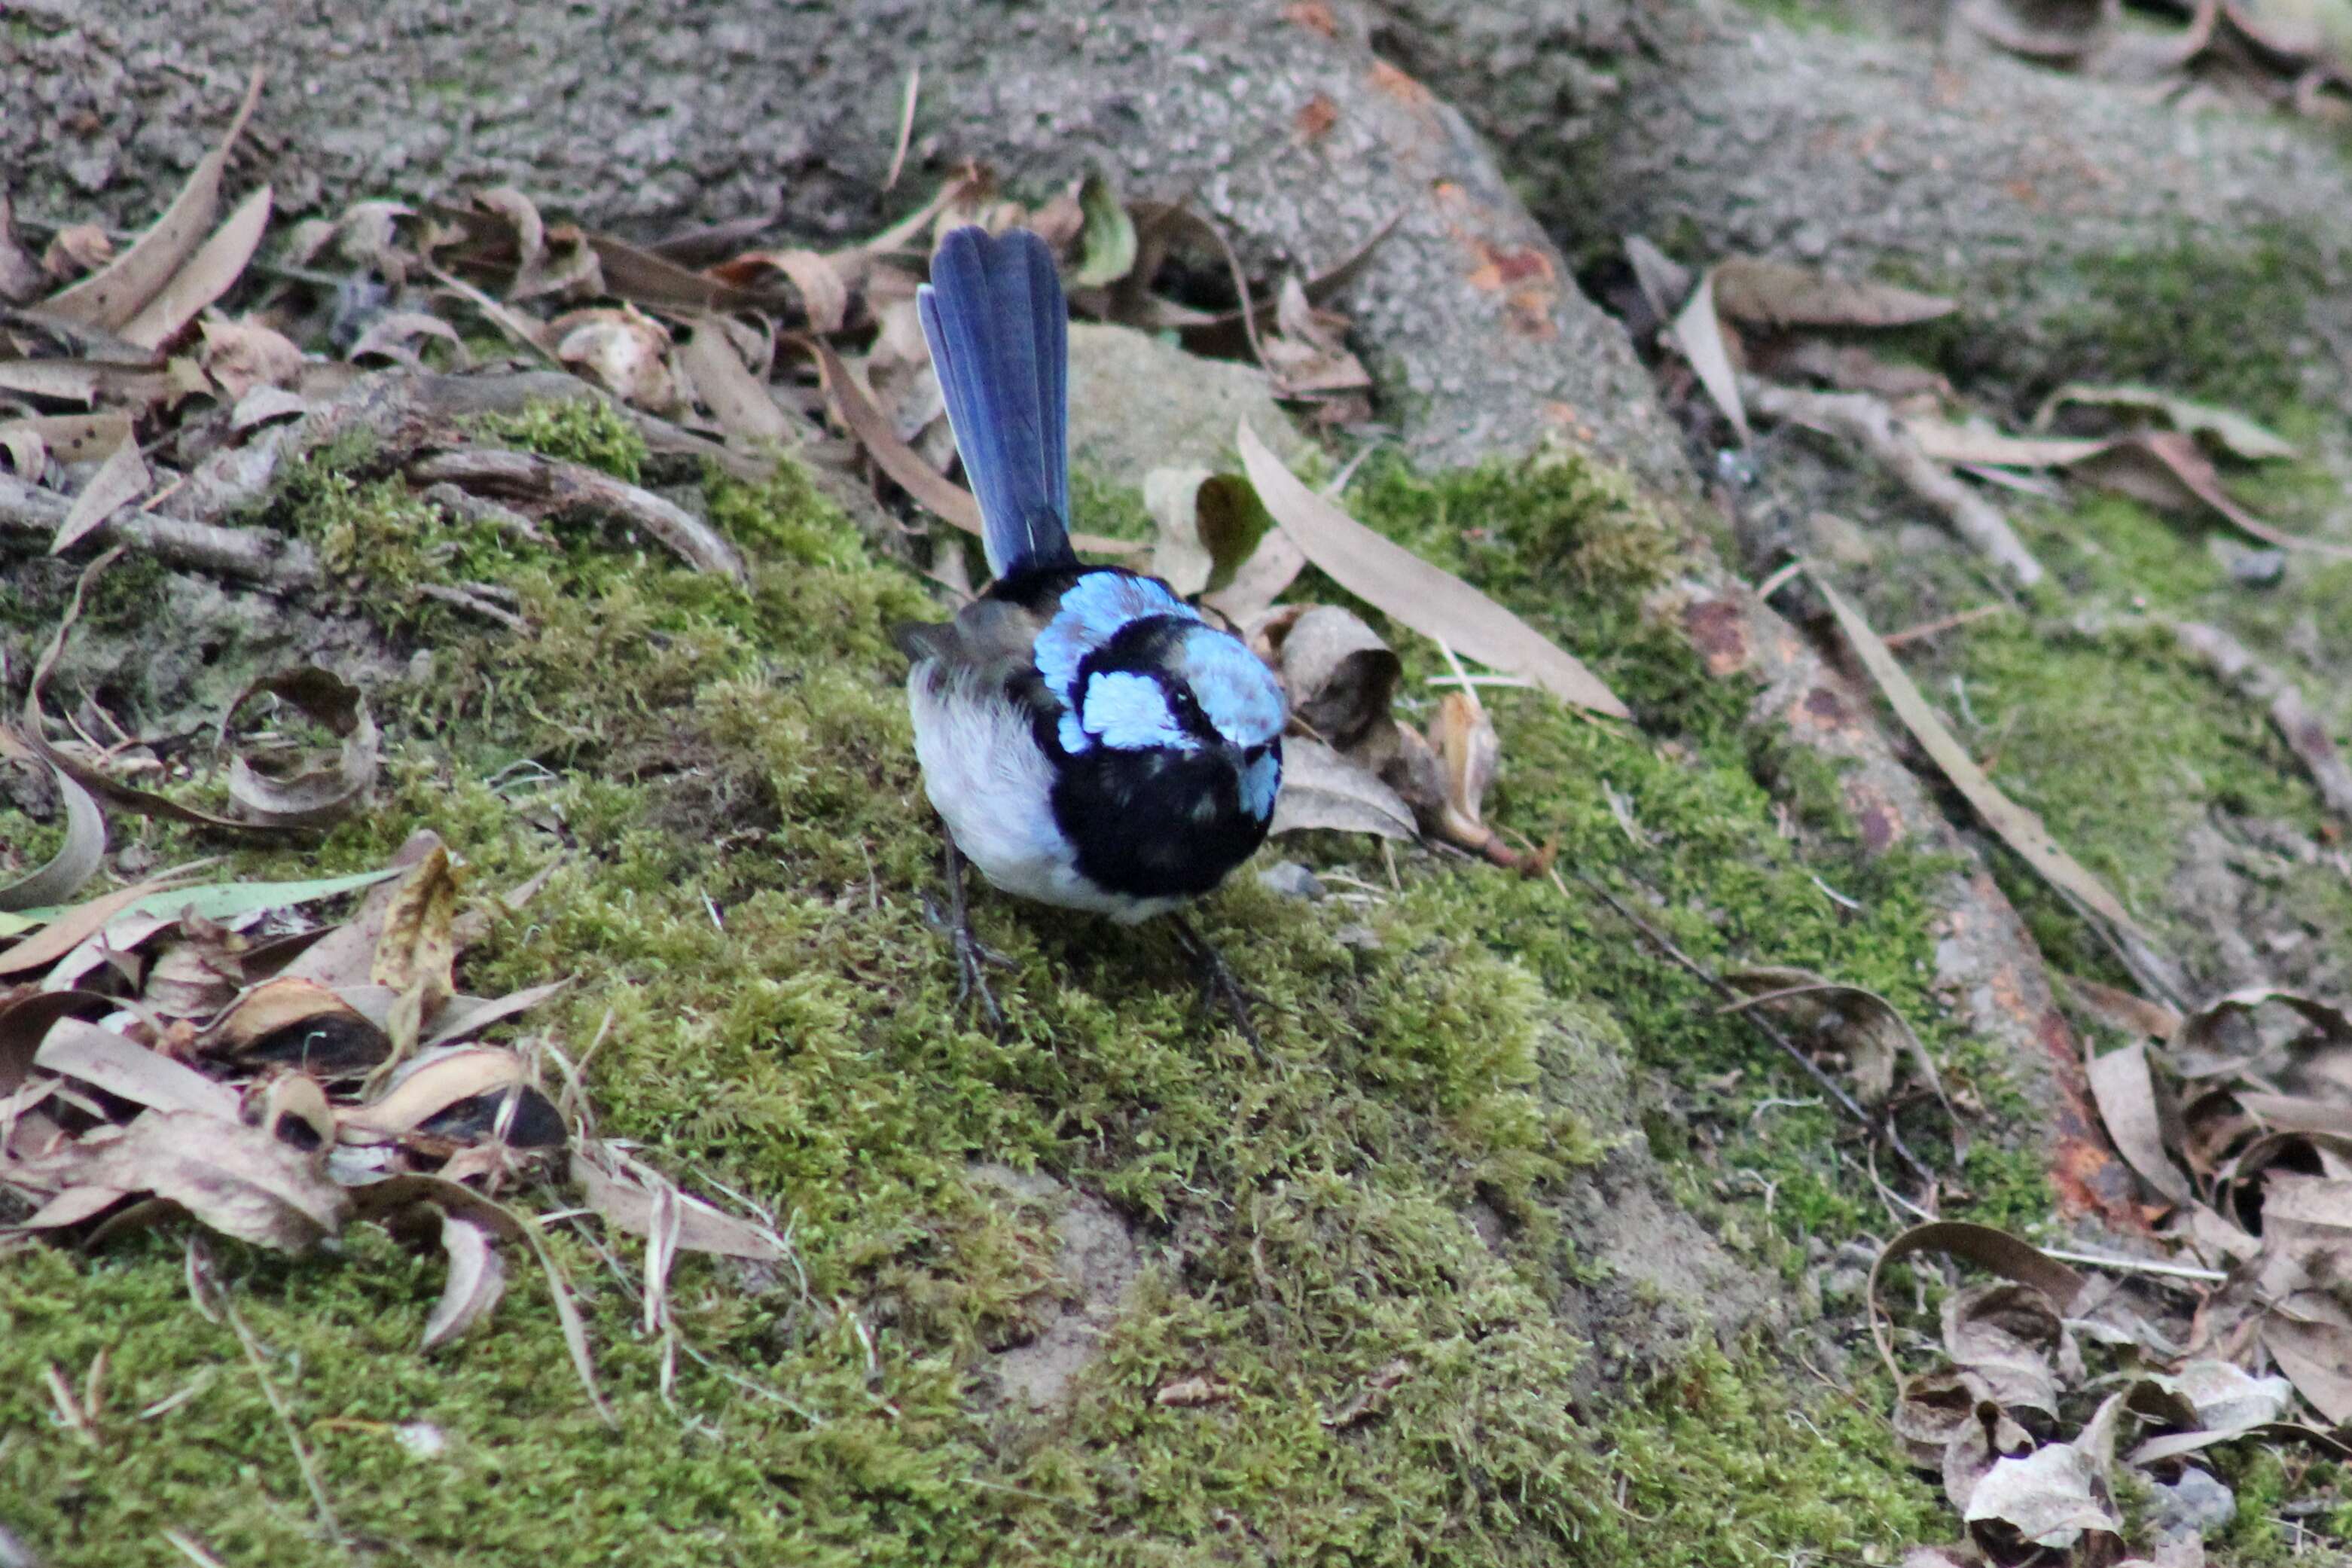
<point x="1219" y="986"/>
<point x="974" y="957"/>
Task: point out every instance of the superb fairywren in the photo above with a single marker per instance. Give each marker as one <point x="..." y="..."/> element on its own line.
<point x="1090" y="740"/>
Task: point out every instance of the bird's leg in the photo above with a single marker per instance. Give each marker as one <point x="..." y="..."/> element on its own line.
<point x="1218" y="984"/>
<point x="972" y="955"/>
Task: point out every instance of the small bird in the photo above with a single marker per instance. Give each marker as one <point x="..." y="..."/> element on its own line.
<point x="1090" y="740"/>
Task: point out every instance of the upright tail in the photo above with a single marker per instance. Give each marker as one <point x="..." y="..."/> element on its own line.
<point x="992" y="313"/>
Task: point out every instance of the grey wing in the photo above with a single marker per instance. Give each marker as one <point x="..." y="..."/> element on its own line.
<point x="994" y="639"/>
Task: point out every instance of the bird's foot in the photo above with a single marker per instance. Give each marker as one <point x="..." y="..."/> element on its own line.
<point x="1219" y="987"/>
<point x="974" y="958"/>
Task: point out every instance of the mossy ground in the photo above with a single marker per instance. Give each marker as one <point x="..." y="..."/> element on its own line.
<point x="722" y="780"/>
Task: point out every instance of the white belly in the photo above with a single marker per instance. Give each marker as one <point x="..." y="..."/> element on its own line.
<point x="992" y="784"/>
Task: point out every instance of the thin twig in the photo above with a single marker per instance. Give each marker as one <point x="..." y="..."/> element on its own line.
<point x="200" y="1277"/>
<point x="1814" y="1070"/>
<point x="905" y="126"/>
<point x="2139" y="1266"/>
<point x="1869" y="424"/>
<point x="1940" y="625"/>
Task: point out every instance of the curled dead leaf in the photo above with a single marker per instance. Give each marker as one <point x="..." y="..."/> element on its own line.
<point x="79" y="852"/>
<point x="624" y="351"/>
<point x="313" y="797"/>
<point x="477" y="1277"/>
<point x="1340" y="676"/>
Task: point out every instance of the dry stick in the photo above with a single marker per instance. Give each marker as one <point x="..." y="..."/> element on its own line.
<point x="2306" y="736"/>
<point x="560" y="485"/>
<point x="201" y="1281"/>
<point x="1941" y="625"/>
<point x="1829" y="1085"/>
<point x="1869" y="424"/>
<point x="254" y="553"/>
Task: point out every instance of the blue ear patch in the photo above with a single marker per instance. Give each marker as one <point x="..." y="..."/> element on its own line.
<point x="1096" y="608"/>
<point x="1234" y="687"/>
<point x="1261" y="782"/>
<point x="1129" y="712"/>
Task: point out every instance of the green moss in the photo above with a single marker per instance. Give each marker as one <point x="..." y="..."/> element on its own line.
<point x="721" y="780"/>
<point x="2124" y="744"/>
<point x="2209" y="319"/>
<point x="587" y="430"/>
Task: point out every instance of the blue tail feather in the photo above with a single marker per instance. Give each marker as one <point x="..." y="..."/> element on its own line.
<point x="999" y="334"/>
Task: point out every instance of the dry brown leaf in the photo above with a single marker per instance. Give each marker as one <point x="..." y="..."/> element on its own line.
<point x="930" y="488"/>
<point x="393" y="336"/>
<point x="2050" y="1497"/>
<point x="1980" y="1244"/>
<point x="2060" y="31"/>
<point x="74" y="437"/>
<point x="624" y="351"/>
<point x="1988" y="1436"/>
<point x="1698" y="333"/>
<point x="1307" y="353"/>
<point x="76" y="249"/>
<point x="654" y="281"/>
<point x="70" y="930"/>
<point x="431" y="1085"/>
<point x="1429" y="600"/>
<point x="301" y="1024"/>
<point x="2136" y="1119"/>
<point x="2309" y="1337"/>
<point x="2166" y="468"/>
<point x="20" y="271"/>
<point x="735" y="396"/>
<point x="1780" y="294"/>
<point x="628" y="1206"/>
<point x="1462" y="735"/>
<point x="240" y="1180"/>
<point x="1867" y="1027"/>
<point x="1975" y="444"/>
<point x="85" y="381"/>
<point x="2222" y="1397"/>
<point x="477" y="1277"/>
<point x="2020" y="828"/>
<point x="2232" y="431"/>
<point x="1934" y="1408"/>
<point x="243" y="354"/>
<point x="2209" y="1040"/>
<point x="207" y="275"/>
<point x="112" y="296"/>
<point x="817" y="279"/>
<point x="2007" y="1336"/>
<point x="1339" y="677"/>
<point x="2125" y="1011"/>
<point x="120" y="480"/>
<point x="346" y="955"/>
<point x="465" y="1015"/>
<point x="293" y="1108"/>
<point x="123" y="1068"/>
<point x="524" y="229"/>
<point x="190" y="980"/>
<point x="1322" y="789"/>
<point x="416" y="951"/>
<point x="23" y="451"/>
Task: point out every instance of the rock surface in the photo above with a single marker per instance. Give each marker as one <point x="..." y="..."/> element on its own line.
<point x="1279" y="121"/>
